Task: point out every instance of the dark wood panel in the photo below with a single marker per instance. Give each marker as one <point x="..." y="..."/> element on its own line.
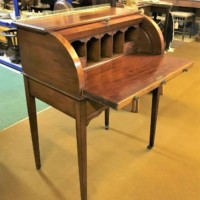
<point x="61" y="70"/>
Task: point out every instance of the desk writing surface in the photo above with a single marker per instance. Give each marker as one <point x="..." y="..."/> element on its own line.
<point x="132" y="76"/>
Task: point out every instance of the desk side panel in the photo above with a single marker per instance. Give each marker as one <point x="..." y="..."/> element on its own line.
<point x="150" y="38"/>
<point x="51" y="61"/>
<point x="61" y="101"/>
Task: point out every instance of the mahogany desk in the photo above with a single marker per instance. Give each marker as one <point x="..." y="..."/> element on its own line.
<point x="83" y="63"/>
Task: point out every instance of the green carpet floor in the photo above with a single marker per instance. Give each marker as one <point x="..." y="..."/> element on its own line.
<point x="12" y="98"/>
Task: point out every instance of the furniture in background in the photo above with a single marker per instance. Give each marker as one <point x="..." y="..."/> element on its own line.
<point x="12" y="48"/>
<point x="6" y="26"/>
<point x="188" y="6"/>
<point x="2" y="39"/>
<point x="157" y="9"/>
<point x="162" y="8"/>
<point x="183" y="22"/>
<point x="185" y="3"/>
<point x="40" y="8"/>
<point x="97" y="2"/>
<point x="89" y="61"/>
<point x="62" y="4"/>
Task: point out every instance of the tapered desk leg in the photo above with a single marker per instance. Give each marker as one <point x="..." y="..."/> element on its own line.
<point x="33" y="123"/>
<point x="154" y="113"/>
<point x="107" y="111"/>
<point x="81" y="131"/>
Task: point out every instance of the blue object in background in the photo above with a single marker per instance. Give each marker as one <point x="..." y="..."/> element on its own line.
<point x="16" y="8"/>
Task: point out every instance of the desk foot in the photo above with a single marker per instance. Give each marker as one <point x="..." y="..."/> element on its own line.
<point x="107" y="113"/>
<point x="149" y="147"/>
<point x="106" y="127"/>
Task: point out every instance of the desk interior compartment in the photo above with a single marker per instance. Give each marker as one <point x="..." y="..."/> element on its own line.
<point x="80" y="48"/>
<point x="130" y="37"/>
<point x="130" y="34"/>
<point x="106" y="46"/>
<point x="118" y="42"/>
<point x="93" y="50"/>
